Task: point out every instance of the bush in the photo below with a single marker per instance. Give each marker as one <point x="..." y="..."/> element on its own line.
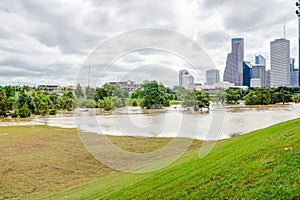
<point x="24" y="111"/>
<point x="134" y="103"/>
<point x="53" y="111"/>
<point x="14" y="114"/>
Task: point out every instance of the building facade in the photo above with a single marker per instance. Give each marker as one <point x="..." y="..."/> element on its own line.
<point x="260" y="60"/>
<point x="186" y="80"/>
<point x="259" y="72"/>
<point x="268" y="78"/>
<point x="234" y="64"/>
<point x="280" y="62"/>
<point x="247" y="73"/>
<point x="294" y="73"/>
<point x="212" y="76"/>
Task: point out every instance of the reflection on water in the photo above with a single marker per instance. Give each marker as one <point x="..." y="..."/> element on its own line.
<point x="131" y="121"/>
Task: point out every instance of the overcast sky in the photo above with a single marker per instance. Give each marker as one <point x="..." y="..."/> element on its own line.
<point x="47" y="42"/>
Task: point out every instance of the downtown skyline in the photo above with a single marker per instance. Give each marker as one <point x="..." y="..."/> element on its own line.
<point x="47" y="42"/>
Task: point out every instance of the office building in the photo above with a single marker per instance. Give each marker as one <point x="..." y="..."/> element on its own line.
<point x="212" y="76"/>
<point x="294" y="73"/>
<point x="268" y="78"/>
<point x="259" y="72"/>
<point x="234" y="64"/>
<point x="186" y="80"/>
<point x="260" y="60"/>
<point x="247" y="73"/>
<point x="280" y="62"/>
<point x="255" y="82"/>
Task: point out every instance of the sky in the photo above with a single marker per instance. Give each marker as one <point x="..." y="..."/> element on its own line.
<point x="50" y="42"/>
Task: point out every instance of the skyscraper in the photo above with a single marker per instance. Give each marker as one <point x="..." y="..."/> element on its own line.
<point x="260" y="60"/>
<point x="234" y="64"/>
<point x="212" y="76"/>
<point x="247" y="73"/>
<point x="294" y="73"/>
<point x="259" y="72"/>
<point x="268" y="78"/>
<point x="186" y="80"/>
<point x="280" y="62"/>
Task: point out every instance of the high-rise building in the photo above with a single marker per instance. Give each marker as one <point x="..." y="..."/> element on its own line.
<point x="212" y="76"/>
<point x="260" y="60"/>
<point x="280" y="62"/>
<point x="234" y="64"/>
<point x="247" y="73"/>
<point x="186" y="80"/>
<point x="259" y="72"/>
<point x="294" y="73"/>
<point x="268" y="78"/>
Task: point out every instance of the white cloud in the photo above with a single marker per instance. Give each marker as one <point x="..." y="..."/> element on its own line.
<point x="49" y="41"/>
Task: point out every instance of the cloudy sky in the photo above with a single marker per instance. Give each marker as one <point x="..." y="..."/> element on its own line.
<point x="48" y="42"/>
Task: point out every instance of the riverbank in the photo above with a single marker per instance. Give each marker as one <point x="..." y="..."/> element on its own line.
<point x="260" y="165"/>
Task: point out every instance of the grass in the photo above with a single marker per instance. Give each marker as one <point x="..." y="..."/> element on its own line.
<point x="252" y="166"/>
<point x="36" y="161"/>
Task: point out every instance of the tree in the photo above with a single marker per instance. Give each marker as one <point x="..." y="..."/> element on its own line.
<point x="285" y="96"/>
<point x="197" y="100"/>
<point x="3" y="104"/>
<point x="90" y="92"/>
<point x="119" y="95"/>
<point x="24" y="111"/>
<point x="251" y="98"/>
<point x="25" y="99"/>
<point x="101" y="93"/>
<point x="137" y="94"/>
<point x="263" y="96"/>
<point x="202" y="100"/>
<point x="154" y="95"/>
<point x="67" y="101"/>
<point x="78" y="91"/>
<point x="233" y="95"/>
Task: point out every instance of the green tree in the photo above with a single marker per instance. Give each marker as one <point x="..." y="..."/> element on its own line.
<point x="90" y="92"/>
<point x="196" y="99"/>
<point x="233" y="95"/>
<point x="101" y="93"/>
<point x="154" y="95"/>
<point x="24" y="111"/>
<point x="251" y="98"/>
<point x="263" y="96"/>
<point x="3" y="104"/>
<point x="78" y="91"/>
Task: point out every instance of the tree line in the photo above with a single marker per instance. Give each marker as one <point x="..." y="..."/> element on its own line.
<point x="24" y="101"/>
<point x="258" y="96"/>
<point x="16" y="101"/>
<point x="151" y="95"/>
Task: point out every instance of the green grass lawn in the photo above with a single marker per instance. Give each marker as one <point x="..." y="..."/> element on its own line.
<point x="40" y="162"/>
<point x="252" y="166"/>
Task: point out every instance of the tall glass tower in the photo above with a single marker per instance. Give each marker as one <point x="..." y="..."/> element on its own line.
<point x="234" y="64"/>
<point x="280" y="62"/>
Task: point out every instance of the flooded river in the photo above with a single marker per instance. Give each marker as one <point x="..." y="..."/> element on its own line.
<point x="221" y="122"/>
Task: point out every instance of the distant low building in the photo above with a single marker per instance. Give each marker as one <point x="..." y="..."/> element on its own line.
<point x="256" y="82"/>
<point x="130" y="85"/>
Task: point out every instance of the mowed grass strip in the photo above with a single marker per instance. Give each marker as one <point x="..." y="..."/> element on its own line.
<point x="252" y="166"/>
<point x="36" y="161"/>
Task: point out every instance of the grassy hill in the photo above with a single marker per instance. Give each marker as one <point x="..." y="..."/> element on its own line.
<point x="252" y="166"/>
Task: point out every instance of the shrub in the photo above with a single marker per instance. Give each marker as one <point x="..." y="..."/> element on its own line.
<point x="53" y="111"/>
<point x="24" y="111"/>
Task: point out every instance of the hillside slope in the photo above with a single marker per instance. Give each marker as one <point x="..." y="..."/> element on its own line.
<point x="252" y="166"/>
